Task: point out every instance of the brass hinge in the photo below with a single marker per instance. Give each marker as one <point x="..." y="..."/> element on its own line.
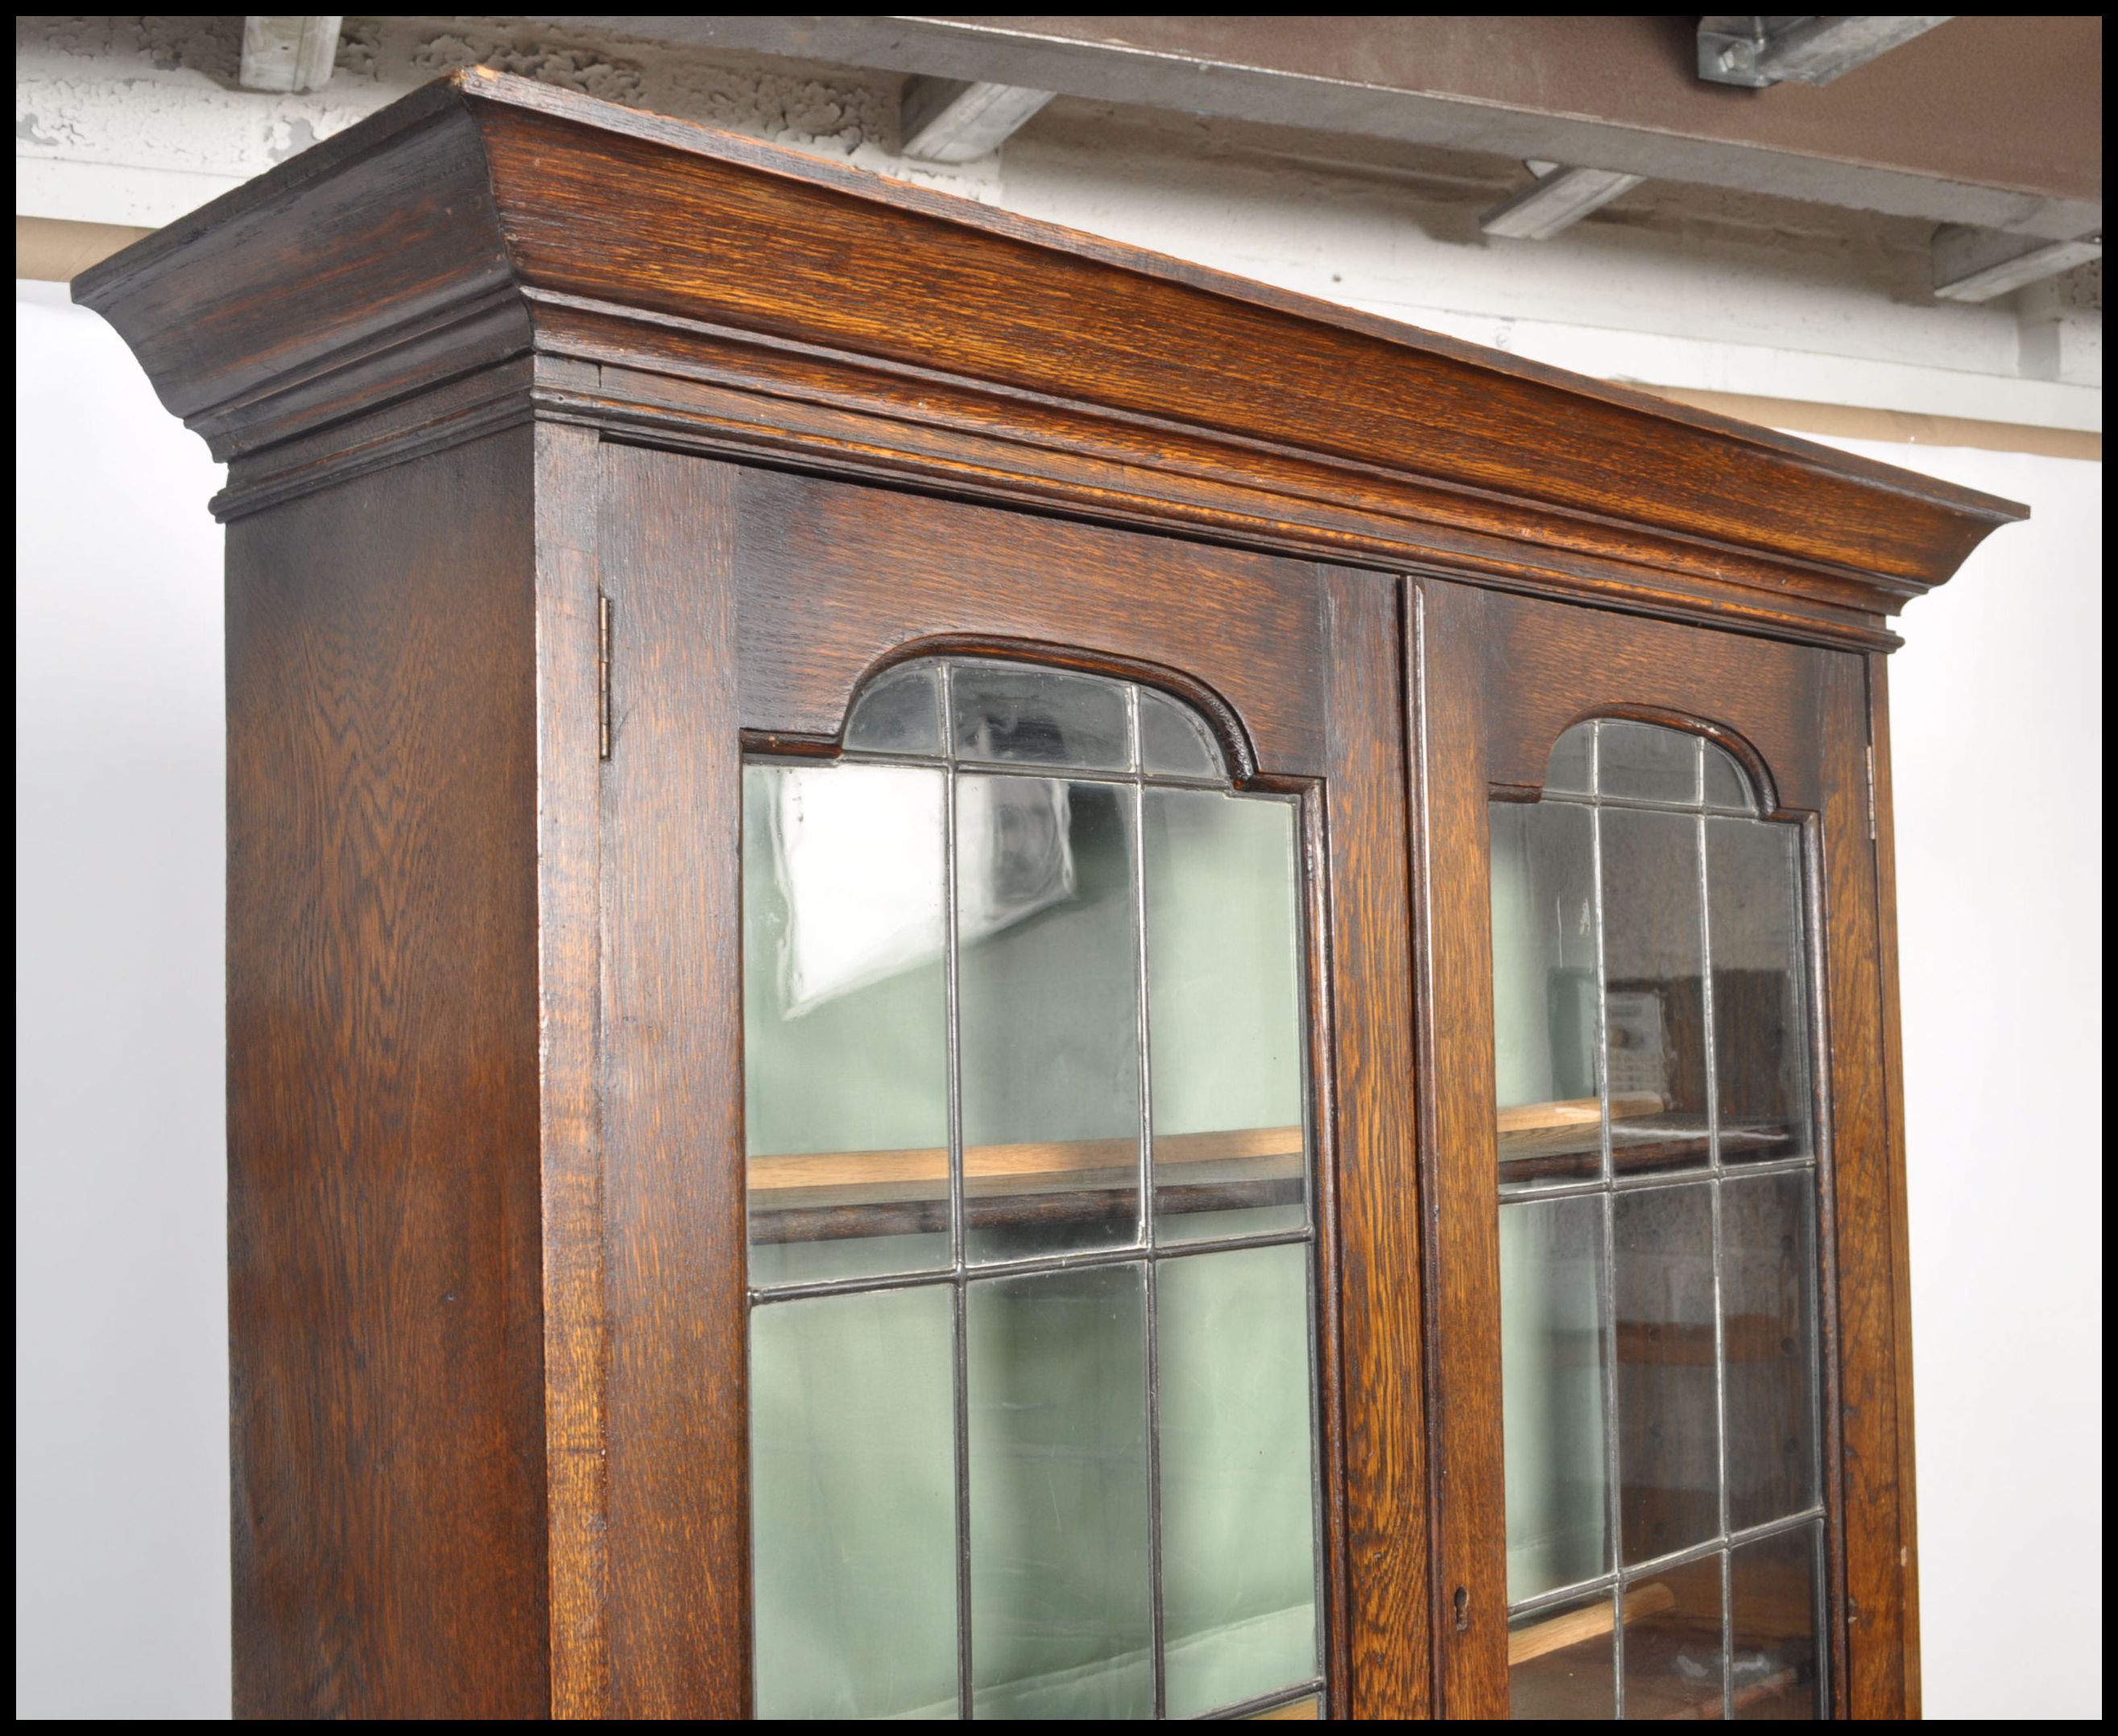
<point x="603" y="677"/>
<point x="1871" y="792"/>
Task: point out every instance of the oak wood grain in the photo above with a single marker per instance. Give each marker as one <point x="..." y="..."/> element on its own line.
<point x="1522" y="671"/>
<point x="569" y="970"/>
<point x="1548" y="667"/>
<point x="1374" y="1356"/>
<point x="385" y="1359"/>
<point x="679" y="1504"/>
<point x="1893" y="1107"/>
<point x="1872" y="1531"/>
<point x="1449" y="632"/>
<point x="838" y="581"/>
<point x="498" y="349"/>
<point x="461" y="224"/>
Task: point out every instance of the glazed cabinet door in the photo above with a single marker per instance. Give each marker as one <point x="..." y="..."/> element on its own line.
<point x="1659" y="1177"/>
<point x="1006" y="1119"/>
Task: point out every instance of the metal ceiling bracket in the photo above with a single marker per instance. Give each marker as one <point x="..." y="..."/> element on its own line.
<point x="1556" y="200"/>
<point x="948" y="120"/>
<point x="1757" y="51"/>
<point x="291" y="54"/>
<point x="1979" y="265"/>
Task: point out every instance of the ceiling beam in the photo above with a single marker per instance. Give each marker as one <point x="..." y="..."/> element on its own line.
<point x="1616" y="90"/>
<point x="1754" y="52"/>
<point x="1557" y="200"/>
<point x="1977" y="264"/>
<point x="289" y="55"/>
<point x="953" y="120"/>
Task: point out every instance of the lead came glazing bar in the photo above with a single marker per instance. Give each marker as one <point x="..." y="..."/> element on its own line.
<point x="1058" y="1460"/>
<point x="1720" y="1287"/>
<point x="958" y="1344"/>
<point x="1157" y="1649"/>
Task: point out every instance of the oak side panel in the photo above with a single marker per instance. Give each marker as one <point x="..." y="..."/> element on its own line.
<point x="1445" y="648"/>
<point x="1893" y="1107"/>
<point x="386" y="1415"/>
<point x="1863" y="1226"/>
<point x="569" y="963"/>
<point x="678" y="1546"/>
<point x="837" y="578"/>
<point x="1383" y="1627"/>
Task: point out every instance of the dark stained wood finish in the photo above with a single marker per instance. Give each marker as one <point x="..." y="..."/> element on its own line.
<point x="1875" y="1519"/>
<point x="1497" y="680"/>
<point x="1543" y="668"/>
<point x="499" y="350"/>
<point x="838" y="581"/>
<point x="384" y="1317"/>
<point x="1448" y="630"/>
<point x="569" y="972"/>
<point x="677" y="1544"/>
<point x="1893" y="1106"/>
<point x="1297" y="668"/>
<point x="1367" y="1105"/>
<point x="489" y="216"/>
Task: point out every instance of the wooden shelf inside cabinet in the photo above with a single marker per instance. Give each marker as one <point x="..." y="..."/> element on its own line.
<point x="1562" y="1140"/>
<point x="818" y="1195"/>
<point x="547" y="504"/>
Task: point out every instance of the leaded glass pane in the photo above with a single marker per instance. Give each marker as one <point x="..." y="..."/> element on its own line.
<point x="1659" y="1257"/>
<point x="853" y="1497"/>
<point x="993" y="989"/>
<point x="846" y="1064"/>
<point x="1224" y="1013"/>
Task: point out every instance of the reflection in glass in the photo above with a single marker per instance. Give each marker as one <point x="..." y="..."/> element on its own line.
<point x="899" y="712"/>
<point x="1553" y="1393"/>
<point x="1559" y="1665"/>
<point x="1544" y="993"/>
<point x="1673" y="1643"/>
<point x="1668" y="1439"/>
<point x="845" y="1070"/>
<point x="1768" y="1296"/>
<point x="1572" y="763"/>
<point x="1174" y="741"/>
<point x="1646" y="762"/>
<point x="1772" y="1605"/>
<point x="853" y="1507"/>
<point x="1048" y="1013"/>
<point x="1659" y="1314"/>
<point x="1727" y="785"/>
<point x="1760" y="1037"/>
<point x="1013" y="712"/>
<point x="1059" y="1537"/>
<point x="1654" y="991"/>
<point x="1238" y="1519"/>
<point x="1224" y="1013"/>
<point x="951" y="1044"/>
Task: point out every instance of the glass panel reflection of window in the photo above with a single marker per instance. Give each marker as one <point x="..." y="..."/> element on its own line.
<point x="1031" y="1251"/>
<point x="1656" y="1173"/>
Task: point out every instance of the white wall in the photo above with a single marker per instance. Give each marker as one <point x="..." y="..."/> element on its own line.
<point x="121" y="1573"/>
<point x="1996" y="714"/>
<point x="121" y="1322"/>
